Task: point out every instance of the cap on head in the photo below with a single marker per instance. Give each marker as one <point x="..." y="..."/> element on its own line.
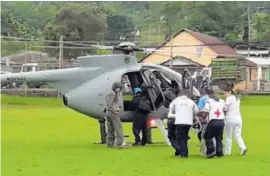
<point x="116" y="85"/>
<point x="137" y="90"/>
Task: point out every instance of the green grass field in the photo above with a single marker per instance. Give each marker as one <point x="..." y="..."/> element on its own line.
<point x="42" y="137"/>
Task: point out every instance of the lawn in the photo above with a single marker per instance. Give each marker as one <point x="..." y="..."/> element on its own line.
<point x="42" y="137"/>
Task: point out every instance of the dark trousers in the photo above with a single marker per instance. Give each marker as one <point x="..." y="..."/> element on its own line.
<point x="172" y="135"/>
<point x="140" y="125"/>
<point x="182" y="139"/>
<point x="214" y="130"/>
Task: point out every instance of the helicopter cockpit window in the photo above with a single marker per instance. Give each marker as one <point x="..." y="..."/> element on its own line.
<point x="126" y="84"/>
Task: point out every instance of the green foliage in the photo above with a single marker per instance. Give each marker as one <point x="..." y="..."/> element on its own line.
<point x="261" y="23"/>
<point x="97" y="21"/>
<point x="75" y="22"/>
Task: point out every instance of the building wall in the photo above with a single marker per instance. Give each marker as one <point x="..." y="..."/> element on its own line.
<point x="254" y="74"/>
<point x="252" y="79"/>
<point x="192" y="52"/>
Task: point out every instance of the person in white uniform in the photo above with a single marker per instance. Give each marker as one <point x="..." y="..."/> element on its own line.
<point x="215" y="126"/>
<point x="233" y="123"/>
<point x="182" y="109"/>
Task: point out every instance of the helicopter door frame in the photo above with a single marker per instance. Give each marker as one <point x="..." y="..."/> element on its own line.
<point x="155" y="93"/>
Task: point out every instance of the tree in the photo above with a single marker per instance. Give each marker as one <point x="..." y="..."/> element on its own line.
<point x="261" y="23"/>
<point x="119" y="26"/>
<point x="76" y="22"/>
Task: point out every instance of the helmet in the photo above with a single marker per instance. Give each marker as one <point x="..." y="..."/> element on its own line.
<point x="137" y="90"/>
<point x="116" y="85"/>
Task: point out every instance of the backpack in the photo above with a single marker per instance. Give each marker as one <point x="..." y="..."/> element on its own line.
<point x="144" y="105"/>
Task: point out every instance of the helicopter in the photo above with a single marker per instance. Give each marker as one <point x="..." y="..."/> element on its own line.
<point x="84" y="88"/>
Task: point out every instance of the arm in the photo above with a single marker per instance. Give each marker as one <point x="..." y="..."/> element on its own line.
<point x="171" y="113"/>
<point x="195" y="109"/>
<point x="228" y="103"/>
<point x="134" y="104"/>
<point x="110" y="99"/>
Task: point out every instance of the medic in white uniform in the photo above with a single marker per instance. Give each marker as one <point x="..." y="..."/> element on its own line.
<point x="215" y="126"/>
<point x="182" y="109"/>
<point x="233" y="121"/>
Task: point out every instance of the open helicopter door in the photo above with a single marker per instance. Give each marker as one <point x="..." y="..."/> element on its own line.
<point x="155" y="93"/>
<point x="157" y="98"/>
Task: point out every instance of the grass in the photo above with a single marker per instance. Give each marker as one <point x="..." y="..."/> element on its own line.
<point x="42" y="137"/>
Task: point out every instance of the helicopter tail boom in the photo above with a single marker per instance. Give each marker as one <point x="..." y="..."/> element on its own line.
<point x="62" y="79"/>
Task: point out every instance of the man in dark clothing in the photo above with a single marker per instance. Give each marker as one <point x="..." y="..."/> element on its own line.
<point x="142" y="108"/>
<point x="170" y="95"/>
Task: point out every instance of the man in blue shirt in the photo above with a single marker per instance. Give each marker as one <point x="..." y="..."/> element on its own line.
<point x="201" y="102"/>
<point x="201" y="106"/>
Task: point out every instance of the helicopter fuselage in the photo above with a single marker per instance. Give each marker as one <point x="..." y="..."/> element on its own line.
<point x="85" y="88"/>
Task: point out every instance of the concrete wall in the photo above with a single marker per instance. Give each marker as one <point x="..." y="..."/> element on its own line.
<point x="31" y="92"/>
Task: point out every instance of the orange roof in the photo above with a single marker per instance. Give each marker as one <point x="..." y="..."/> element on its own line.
<point x="212" y="42"/>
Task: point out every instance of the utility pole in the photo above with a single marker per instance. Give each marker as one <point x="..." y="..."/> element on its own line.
<point x="171" y="45"/>
<point x="148" y="32"/>
<point x="60" y="52"/>
<point x="249" y="31"/>
<point x="248" y="12"/>
<point x="171" y="50"/>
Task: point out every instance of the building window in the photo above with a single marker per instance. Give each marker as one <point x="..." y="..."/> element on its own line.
<point x="199" y="51"/>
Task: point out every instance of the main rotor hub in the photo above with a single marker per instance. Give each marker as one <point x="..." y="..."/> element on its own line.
<point x="127" y="48"/>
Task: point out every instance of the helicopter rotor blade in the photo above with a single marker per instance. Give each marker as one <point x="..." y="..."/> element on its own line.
<point x="103" y="47"/>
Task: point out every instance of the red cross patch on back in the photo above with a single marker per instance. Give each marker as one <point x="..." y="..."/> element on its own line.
<point x="217" y="113"/>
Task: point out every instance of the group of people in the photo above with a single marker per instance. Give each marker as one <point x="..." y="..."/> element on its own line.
<point x="214" y="113"/>
<point x="142" y="107"/>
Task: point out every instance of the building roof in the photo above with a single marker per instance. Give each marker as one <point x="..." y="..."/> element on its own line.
<point x="212" y="42"/>
<point x="187" y="60"/>
<point x="259" y="61"/>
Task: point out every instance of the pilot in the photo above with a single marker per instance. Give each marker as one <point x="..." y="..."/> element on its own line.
<point x="214" y="106"/>
<point x="142" y="108"/>
<point x="182" y="109"/>
<point x="115" y="130"/>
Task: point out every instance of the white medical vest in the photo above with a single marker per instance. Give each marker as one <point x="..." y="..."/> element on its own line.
<point x="215" y="109"/>
<point x="184" y="109"/>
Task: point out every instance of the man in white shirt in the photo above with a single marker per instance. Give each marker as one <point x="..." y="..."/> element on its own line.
<point x="233" y="123"/>
<point x="182" y="109"/>
<point x="215" y="126"/>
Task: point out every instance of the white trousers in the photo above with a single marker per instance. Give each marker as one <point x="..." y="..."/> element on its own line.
<point x="236" y="129"/>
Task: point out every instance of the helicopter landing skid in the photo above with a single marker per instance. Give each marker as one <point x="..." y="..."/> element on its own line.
<point x="102" y="127"/>
<point x="103" y="134"/>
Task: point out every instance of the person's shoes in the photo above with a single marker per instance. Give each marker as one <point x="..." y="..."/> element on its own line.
<point x="176" y="153"/>
<point x="220" y="155"/>
<point x="110" y="146"/>
<point x="244" y="152"/>
<point x="211" y="155"/>
<point x="143" y="143"/>
<point x="122" y="146"/>
<point x="227" y="153"/>
<point x="136" y="144"/>
<point x="182" y="156"/>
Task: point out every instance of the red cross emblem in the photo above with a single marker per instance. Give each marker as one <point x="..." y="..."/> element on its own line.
<point x="217" y="113"/>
